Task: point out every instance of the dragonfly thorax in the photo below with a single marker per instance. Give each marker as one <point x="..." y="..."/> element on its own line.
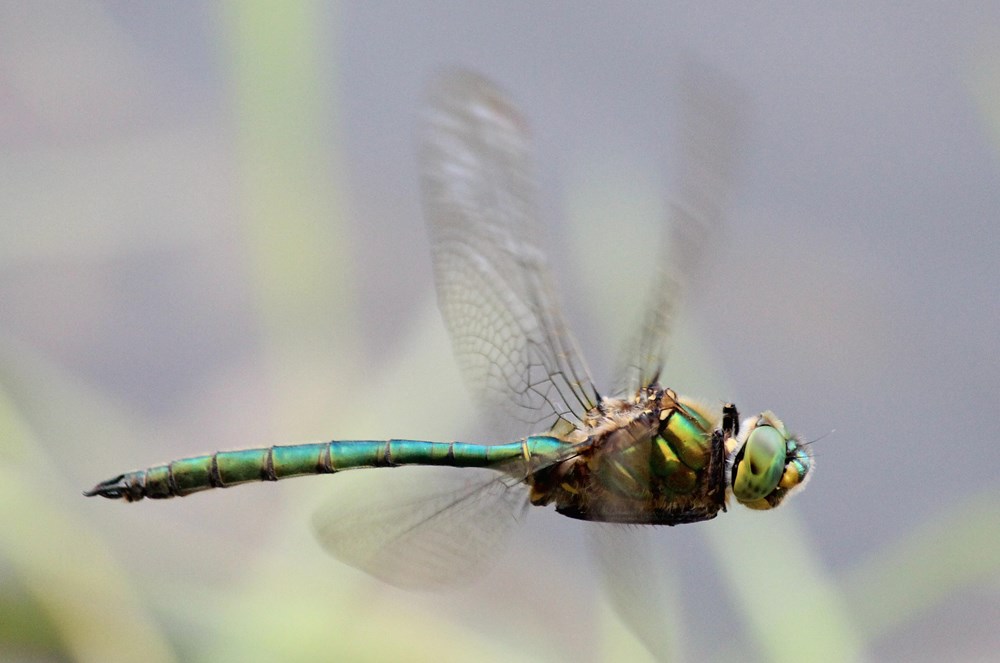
<point x="654" y="458"/>
<point x="658" y="458"/>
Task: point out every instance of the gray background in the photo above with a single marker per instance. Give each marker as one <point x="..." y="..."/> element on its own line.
<point x="201" y="252"/>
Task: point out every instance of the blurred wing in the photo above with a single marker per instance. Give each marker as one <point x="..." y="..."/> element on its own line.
<point x="637" y="585"/>
<point x="493" y="283"/>
<point x="709" y="142"/>
<point x="429" y="529"/>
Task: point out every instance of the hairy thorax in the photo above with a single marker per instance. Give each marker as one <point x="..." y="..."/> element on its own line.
<point x="653" y="459"/>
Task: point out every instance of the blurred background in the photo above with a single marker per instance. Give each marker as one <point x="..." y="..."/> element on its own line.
<point x="212" y="238"/>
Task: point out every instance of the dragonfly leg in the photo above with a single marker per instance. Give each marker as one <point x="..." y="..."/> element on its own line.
<point x="730" y="421"/>
<point x="716" y="469"/>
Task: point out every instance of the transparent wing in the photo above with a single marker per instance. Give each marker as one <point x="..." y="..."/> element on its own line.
<point x="710" y="133"/>
<point x="493" y="283"/>
<point x="427" y="529"/>
<point x="638" y="585"/>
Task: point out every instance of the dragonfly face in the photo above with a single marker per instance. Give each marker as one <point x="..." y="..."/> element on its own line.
<point x="768" y="463"/>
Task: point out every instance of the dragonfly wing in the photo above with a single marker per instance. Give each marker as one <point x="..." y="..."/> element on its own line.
<point x="711" y="127"/>
<point x="429" y="529"/>
<point x="493" y="283"/>
<point x="637" y="585"/>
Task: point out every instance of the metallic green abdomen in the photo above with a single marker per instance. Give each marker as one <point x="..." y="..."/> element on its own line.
<point x="230" y="468"/>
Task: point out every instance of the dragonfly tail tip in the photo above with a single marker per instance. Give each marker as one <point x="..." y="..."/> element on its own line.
<point x="112" y="489"/>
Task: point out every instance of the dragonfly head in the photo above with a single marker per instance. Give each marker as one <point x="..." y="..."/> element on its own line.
<point x="768" y="463"/>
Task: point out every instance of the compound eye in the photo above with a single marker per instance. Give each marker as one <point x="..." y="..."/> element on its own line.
<point x="759" y="470"/>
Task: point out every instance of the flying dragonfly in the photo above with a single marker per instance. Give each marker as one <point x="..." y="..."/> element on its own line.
<point x="645" y="455"/>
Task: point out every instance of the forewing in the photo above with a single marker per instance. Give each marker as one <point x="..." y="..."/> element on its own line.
<point x="493" y="283"/>
<point x="638" y="585"/>
<point x="711" y="129"/>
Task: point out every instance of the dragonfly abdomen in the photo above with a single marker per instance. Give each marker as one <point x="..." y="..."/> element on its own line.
<point x="223" y="469"/>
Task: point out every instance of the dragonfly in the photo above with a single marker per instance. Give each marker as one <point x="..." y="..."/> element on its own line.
<point x="645" y="456"/>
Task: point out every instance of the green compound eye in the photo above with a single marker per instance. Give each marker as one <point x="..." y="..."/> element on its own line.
<point x="759" y="470"/>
